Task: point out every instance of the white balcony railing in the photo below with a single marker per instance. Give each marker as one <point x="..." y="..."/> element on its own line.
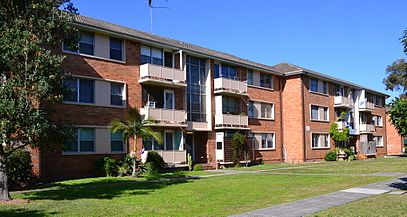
<point x="366" y="105"/>
<point x="164" y="116"/>
<point x="159" y="73"/>
<point x="230" y="86"/>
<point x="366" y="128"/>
<point x="340" y="101"/>
<point x="231" y="121"/>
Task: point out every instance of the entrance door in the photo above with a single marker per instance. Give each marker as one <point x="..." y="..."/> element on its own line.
<point x="220" y="155"/>
<point x="169" y="102"/>
<point x="190" y="145"/>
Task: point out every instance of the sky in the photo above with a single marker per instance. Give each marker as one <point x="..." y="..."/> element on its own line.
<point x="353" y="40"/>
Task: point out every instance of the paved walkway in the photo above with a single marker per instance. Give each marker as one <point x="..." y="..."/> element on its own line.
<point x="315" y="204"/>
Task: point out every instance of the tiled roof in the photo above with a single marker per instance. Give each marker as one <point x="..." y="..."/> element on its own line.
<point x="88" y="21"/>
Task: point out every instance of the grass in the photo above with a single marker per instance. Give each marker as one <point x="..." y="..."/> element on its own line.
<point x="381" y="205"/>
<point x="187" y="196"/>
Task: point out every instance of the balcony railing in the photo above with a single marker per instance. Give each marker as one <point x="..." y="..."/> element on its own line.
<point x="366" y="128"/>
<point x="340" y="101"/>
<point x="366" y="106"/>
<point x="165" y="117"/>
<point x="230" y="86"/>
<point x="150" y="73"/>
<point x="231" y="121"/>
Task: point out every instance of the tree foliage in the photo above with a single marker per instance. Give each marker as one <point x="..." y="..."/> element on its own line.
<point x="396" y="79"/>
<point x="398" y="115"/>
<point x="339" y="137"/>
<point x="31" y="31"/>
<point x="238" y="140"/>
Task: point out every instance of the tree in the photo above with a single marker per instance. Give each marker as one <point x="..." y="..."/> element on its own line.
<point x="339" y="137"/>
<point x="396" y="80"/>
<point x="135" y="126"/>
<point x="30" y="74"/>
<point x="238" y="140"/>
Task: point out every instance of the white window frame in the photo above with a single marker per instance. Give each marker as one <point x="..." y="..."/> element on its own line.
<point x="319" y="109"/>
<point x="375" y="119"/>
<point x="319" y="140"/>
<point x="259" y="113"/>
<point x="379" y="140"/>
<point x="320" y="86"/>
<point x="256" y="135"/>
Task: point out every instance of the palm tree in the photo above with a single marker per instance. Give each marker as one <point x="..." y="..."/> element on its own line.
<point x="135" y="126"/>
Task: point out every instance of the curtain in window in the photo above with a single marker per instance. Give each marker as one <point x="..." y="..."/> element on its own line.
<point x="86" y="88"/>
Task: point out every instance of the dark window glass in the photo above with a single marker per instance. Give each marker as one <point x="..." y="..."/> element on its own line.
<point x="265" y="80"/>
<point x="314" y="85"/>
<point x="86" y="90"/>
<point x="216" y="69"/>
<point x="71" y="145"/>
<point x="87" y="139"/>
<point x="250" y="77"/>
<point x="116" y="94"/>
<point x="145" y="59"/>
<point x="116" y="143"/>
<point x="116" y="49"/>
<point x="325" y="87"/>
<point x="219" y="145"/>
<point x="86" y="43"/>
<point x="71" y="90"/>
<point x="168" y="59"/>
<point x="314" y="112"/>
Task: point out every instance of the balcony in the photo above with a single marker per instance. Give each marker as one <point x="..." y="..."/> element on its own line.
<point x="165" y="117"/>
<point x="230" y="86"/>
<point x="228" y="121"/>
<point x="344" y="102"/>
<point x="163" y="76"/>
<point x="366" y="106"/>
<point x="366" y="128"/>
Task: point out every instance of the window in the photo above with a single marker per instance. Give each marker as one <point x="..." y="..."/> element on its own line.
<point x="150" y="143"/>
<point x="116" y="143"/>
<point x="318" y="86"/>
<point x="85" y="43"/>
<point x="219" y="145"/>
<point x="79" y="90"/>
<point x="116" y="49"/>
<point x="225" y="71"/>
<point x="378" y="140"/>
<point x="320" y="140"/>
<point x="378" y="100"/>
<point x="116" y="94"/>
<point x="151" y="55"/>
<point x="83" y="141"/>
<point x="250" y="77"/>
<point x="266" y="110"/>
<point x="377" y="120"/>
<point x="251" y="109"/>
<point x="266" y="81"/>
<point x="267" y="140"/>
<point x="229" y="105"/>
<point x="319" y="113"/>
<point x="172" y="141"/>
<point x="196" y="89"/>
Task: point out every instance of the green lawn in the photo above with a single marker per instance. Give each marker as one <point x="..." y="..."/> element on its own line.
<point x="214" y="196"/>
<point x="382" y="205"/>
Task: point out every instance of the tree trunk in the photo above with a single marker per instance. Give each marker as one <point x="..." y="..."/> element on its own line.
<point x="4" y="193"/>
<point x="135" y="156"/>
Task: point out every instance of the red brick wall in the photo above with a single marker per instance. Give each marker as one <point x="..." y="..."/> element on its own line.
<point x="381" y="131"/>
<point x="394" y="140"/>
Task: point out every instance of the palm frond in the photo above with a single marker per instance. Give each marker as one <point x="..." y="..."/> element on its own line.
<point x="148" y="132"/>
<point x="134" y="115"/>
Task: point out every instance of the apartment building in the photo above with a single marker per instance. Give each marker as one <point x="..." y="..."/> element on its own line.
<point x="199" y="98"/>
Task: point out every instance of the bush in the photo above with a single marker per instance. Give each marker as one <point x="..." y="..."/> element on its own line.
<point x="331" y="156"/>
<point x="151" y="169"/>
<point x="125" y="166"/>
<point x="110" y="166"/>
<point x="198" y="167"/>
<point x="156" y="159"/>
<point x="19" y="170"/>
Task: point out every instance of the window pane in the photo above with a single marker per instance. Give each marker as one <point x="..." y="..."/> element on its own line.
<point x="250" y="77"/>
<point x="315" y="140"/>
<point x="314" y="112"/>
<point x="219" y="145"/>
<point x="145" y="59"/>
<point x="148" y="143"/>
<point x="216" y="69"/>
<point x="71" y="145"/>
<point x="86" y="37"/>
<point x="157" y="53"/>
<point x="251" y="109"/>
<point x="232" y="72"/>
<point x="325" y="114"/>
<point x="86" y="89"/>
<point x="314" y="85"/>
<point x="116" y="141"/>
<point x="86" y="136"/>
<point x="169" y="142"/>
<point x="325" y="87"/>
<point x="115" y="44"/>
<point x="116" y="54"/>
<point x="71" y="90"/>
<point x="116" y="94"/>
<point x="86" y="48"/>
<point x="145" y="51"/>
<point x="69" y="47"/>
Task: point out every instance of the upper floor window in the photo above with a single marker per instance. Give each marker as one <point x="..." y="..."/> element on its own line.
<point x="377" y="120"/>
<point x="83" y="141"/>
<point x="266" y="110"/>
<point x="79" y="90"/>
<point x="266" y="81"/>
<point x="116" y="94"/>
<point x="151" y="55"/>
<point x="250" y="77"/>
<point x="378" y="140"/>
<point x="225" y="71"/>
<point x="229" y="105"/>
<point x="319" y="113"/>
<point x="116" y="49"/>
<point x="377" y="100"/>
<point x="85" y="43"/>
<point x="319" y="86"/>
<point x="320" y="140"/>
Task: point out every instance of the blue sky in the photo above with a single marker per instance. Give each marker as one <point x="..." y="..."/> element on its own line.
<point x="348" y="39"/>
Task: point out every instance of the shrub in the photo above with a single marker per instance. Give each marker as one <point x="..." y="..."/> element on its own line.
<point x="156" y="159"/>
<point x="19" y="168"/>
<point x="110" y="166"/>
<point x="151" y="169"/>
<point x="198" y="167"/>
<point x="331" y="156"/>
<point x="125" y="166"/>
<point x="238" y="141"/>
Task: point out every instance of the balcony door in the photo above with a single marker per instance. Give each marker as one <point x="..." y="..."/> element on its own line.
<point x="169" y="99"/>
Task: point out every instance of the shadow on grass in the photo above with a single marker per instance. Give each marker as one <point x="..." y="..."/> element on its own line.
<point x="401" y="184"/>
<point x="105" y="188"/>
<point x="24" y="213"/>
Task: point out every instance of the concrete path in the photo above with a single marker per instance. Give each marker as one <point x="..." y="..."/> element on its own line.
<point x="315" y="204"/>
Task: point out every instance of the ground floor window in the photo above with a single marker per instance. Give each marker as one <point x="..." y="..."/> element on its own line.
<point x="82" y="141"/>
<point x="116" y="141"/>
<point x="263" y="140"/>
<point x="320" y="140"/>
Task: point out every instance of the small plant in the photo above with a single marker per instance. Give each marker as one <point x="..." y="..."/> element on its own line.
<point x="238" y="140"/>
<point x="331" y="155"/>
<point x="150" y="169"/>
<point x="156" y="159"/>
<point x="109" y="166"/>
<point x="20" y="167"/>
<point x="198" y="167"/>
<point x="189" y="162"/>
<point x="123" y="170"/>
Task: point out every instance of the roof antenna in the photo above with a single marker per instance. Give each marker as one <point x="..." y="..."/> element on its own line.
<point x="150" y="5"/>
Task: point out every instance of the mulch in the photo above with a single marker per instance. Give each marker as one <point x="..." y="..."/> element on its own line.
<point x="14" y="202"/>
